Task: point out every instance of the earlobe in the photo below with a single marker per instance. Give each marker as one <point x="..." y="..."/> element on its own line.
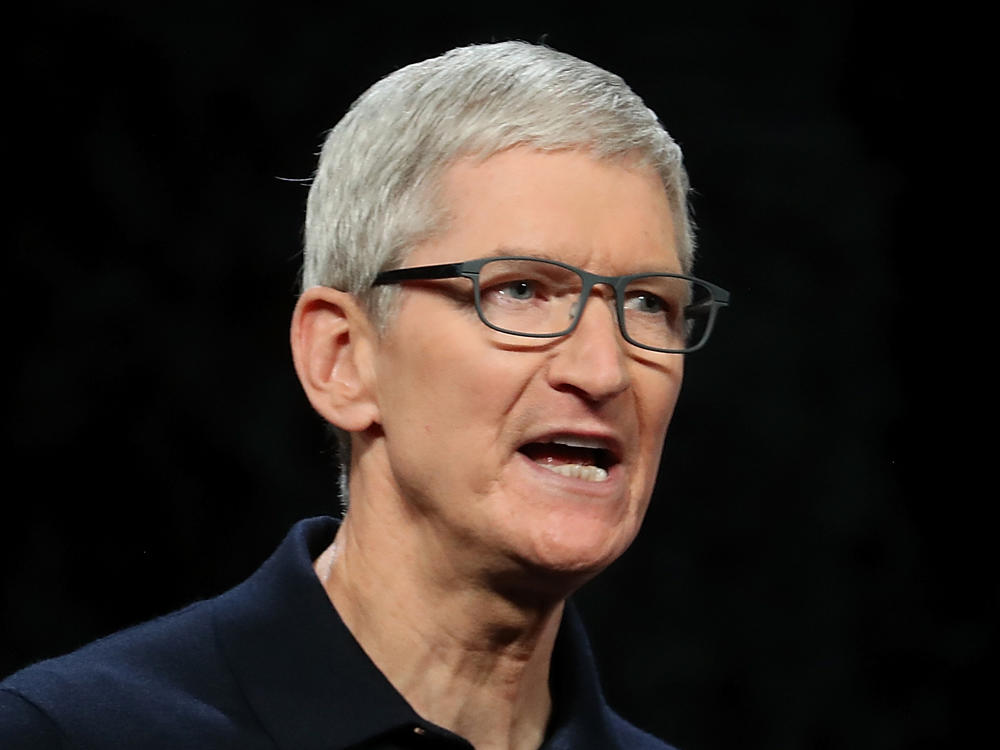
<point x="332" y="346"/>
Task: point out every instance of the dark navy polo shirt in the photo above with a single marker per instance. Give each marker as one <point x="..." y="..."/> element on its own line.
<point x="269" y="664"/>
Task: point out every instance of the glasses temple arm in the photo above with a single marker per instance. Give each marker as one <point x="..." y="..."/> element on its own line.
<point x="420" y="273"/>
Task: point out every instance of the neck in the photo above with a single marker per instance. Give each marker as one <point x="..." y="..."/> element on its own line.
<point x="464" y="656"/>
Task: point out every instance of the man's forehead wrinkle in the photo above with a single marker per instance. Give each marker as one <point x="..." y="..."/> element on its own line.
<point x="534" y="251"/>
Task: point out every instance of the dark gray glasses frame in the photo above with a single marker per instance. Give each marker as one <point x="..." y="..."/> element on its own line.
<point x="706" y="309"/>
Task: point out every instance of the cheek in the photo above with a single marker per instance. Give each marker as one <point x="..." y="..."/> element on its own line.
<point x="657" y="409"/>
<point x="437" y="389"/>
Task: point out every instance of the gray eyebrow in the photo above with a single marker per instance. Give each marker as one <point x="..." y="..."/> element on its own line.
<point x="506" y="250"/>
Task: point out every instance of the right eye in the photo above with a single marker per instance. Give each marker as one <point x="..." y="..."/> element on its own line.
<point x="520" y="290"/>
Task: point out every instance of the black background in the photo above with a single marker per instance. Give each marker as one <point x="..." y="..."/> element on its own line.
<point x="814" y="571"/>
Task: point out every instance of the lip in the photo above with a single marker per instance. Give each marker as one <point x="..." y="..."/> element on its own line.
<point x="600" y="439"/>
<point x="610" y="489"/>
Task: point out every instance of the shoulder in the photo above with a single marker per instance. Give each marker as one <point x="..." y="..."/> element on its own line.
<point x="159" y="679"/>
<point x="24" y="725"/>
<point x="154" y="654"/>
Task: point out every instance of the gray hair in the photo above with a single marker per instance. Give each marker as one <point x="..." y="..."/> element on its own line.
<point x="373" y="197"/>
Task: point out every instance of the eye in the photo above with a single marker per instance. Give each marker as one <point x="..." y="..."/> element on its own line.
<point x="517" y="293"/>
<point x="519" y="290"/>
<point x="646" y="302"/>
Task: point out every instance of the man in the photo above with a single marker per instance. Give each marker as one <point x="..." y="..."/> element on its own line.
<point x="494" y="317"/>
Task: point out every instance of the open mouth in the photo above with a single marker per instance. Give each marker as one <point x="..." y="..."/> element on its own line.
<point x="577" y="457"/>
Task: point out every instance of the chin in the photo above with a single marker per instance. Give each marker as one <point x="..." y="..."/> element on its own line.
<point x="565" y="532"/>
<point x="561" y="559"/>
<point x="580" y="555"/>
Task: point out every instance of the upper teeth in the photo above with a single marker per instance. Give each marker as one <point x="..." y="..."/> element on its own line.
<point x="579" y="442"/>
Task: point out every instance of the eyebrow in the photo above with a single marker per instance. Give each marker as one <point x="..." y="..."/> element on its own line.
<point x="544" y="255"/>
<point x="528" y="252"/>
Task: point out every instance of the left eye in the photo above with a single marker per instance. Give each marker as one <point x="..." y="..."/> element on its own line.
<point x="645" y="302"/>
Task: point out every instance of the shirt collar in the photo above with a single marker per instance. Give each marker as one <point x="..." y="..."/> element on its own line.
<point x="312" y="686"/>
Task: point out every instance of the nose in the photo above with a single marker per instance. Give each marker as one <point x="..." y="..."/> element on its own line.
<point x="591" y="360"/>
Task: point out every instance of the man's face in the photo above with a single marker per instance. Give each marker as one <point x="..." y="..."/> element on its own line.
<point x="473" y="420"/>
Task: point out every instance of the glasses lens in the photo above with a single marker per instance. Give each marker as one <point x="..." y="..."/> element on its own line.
<point x="666" y="312"/>
<point x="528" y="296"/>
<point x="539" y="298"/>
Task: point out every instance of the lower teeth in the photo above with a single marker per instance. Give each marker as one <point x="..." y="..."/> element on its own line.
<point x="578" y="471"/>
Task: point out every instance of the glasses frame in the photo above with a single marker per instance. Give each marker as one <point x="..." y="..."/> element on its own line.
<point x="470" y="269"/>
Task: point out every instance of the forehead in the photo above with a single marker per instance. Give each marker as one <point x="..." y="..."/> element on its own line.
<point x="610" y="217"/>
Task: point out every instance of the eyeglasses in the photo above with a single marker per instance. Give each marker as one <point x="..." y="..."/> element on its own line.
<point x="662" y="312"/>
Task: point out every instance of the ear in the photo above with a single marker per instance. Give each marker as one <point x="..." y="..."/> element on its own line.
<point x="333" y="347"/>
